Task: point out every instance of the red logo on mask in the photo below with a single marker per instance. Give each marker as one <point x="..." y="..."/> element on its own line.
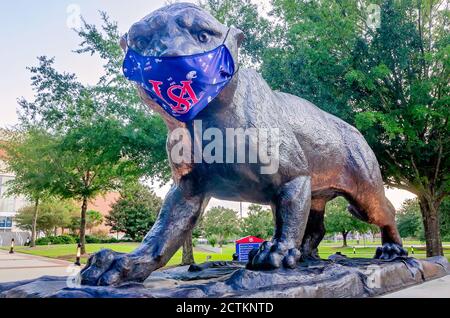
<point x="183" y="95"/>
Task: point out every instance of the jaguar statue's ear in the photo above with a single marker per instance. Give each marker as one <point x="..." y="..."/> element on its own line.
<point x="124" y="42"/>
<point x="238" y="35"/>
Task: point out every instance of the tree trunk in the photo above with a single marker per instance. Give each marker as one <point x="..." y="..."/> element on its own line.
<point x="83" y="226"/>
<point x="344" y="237"/>
<point x="430" y="217"/>
<point x="34" y="225"/>
<point x="188" y="251"/>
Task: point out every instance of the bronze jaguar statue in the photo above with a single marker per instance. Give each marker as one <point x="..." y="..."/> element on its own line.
<point x="320" y="157"/>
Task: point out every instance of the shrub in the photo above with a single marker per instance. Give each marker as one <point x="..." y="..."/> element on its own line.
<point x="68" y="239"/>
<point x="102" y="240"/>
<point x="62" y="239"/>
<point x="212" y="240"/>
<point x="113" y="240"/>
<point x="90" y="239"/>
<point x="43" y="241"/>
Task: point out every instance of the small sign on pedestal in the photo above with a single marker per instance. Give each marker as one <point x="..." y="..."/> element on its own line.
<point x="245" y="245"/>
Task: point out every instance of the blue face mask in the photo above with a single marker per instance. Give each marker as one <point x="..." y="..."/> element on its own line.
<point x="182" y="85"/>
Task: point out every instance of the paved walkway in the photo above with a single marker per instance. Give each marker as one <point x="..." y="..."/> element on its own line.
<point x="17" y="266"/>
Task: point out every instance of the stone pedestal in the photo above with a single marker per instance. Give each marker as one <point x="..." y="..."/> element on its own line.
<point x="337" y="277"/>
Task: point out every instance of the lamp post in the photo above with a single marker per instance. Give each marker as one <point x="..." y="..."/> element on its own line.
<point x="77" y="262"/>
<point x="11" y="250"/>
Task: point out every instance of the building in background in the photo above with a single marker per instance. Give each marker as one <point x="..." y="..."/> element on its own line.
<point x="8" y="205"/>
<point x="102" y="204"/>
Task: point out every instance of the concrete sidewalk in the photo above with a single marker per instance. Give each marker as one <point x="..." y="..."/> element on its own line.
<point x="17" y="266"/>
<point x="438" y="288"/>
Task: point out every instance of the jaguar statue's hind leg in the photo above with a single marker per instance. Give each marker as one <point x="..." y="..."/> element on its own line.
<point x="315" y="230"/>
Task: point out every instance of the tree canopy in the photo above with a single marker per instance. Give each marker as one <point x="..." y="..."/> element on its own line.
<point x="259" y="222"/>
<point x="339" y="220"/>
<point x="410" y="223"/>
<point x="27" y="156"/>
<point x="53" y="214"/>
<point x="135" y="212"/>
<point x="409" y="220"/>
<point x="445" y="219"/>
<point x="220" y="224"/>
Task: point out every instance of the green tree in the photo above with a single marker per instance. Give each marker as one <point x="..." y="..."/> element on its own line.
<point x="93" y="219"/>
<point x="135" y="212"/>
<point x="87" y="166"/>
<point x="259" y="31"/>
<point x="259" y="222"/>
<point x="445" y="219"/>
<point x="53" y="214"/>
<point x="198" y="229"/>
<point x="409" y="220"/>
<point x="212" y="240"/>
<point x="103" y="135"/>
<point x="221" y="223"/>
<point x="339" y="220"/>
<point x="311" y="53"/>
<point x="27" y="156"/>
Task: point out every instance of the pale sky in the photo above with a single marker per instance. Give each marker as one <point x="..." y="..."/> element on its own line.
<point x="33" y="28"/>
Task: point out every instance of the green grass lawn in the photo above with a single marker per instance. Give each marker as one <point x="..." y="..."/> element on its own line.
<point x="376" y="242"/>
<point x="67" y="252"/>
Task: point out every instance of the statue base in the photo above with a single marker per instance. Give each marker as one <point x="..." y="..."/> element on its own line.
<point x="338" y="276"/>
